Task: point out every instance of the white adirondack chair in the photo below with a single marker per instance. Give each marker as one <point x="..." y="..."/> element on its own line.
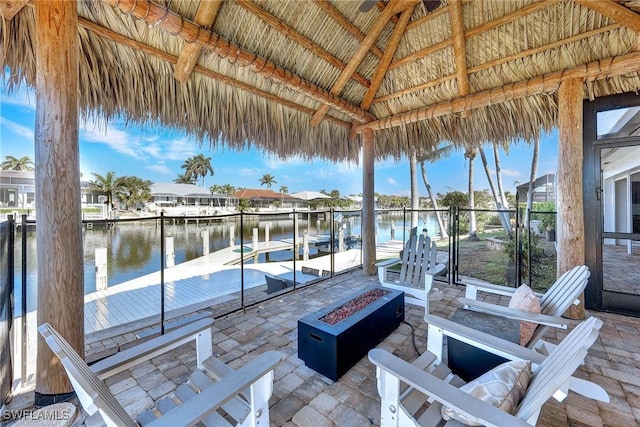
<point x="242" y="394"/>
<point x="418" y="269"/>
<point x="405" y="388"/>
<point x="553" y="303"/>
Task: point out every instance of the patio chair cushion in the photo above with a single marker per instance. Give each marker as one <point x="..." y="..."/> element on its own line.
<point x="526" y="300"/>
<point x="502" y="387"/>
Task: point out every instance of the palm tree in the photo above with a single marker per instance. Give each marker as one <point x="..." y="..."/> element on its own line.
<point x="184" y="179"/>
<point x="503" y="219"/>
<point x="197" y="166"/>
<point x="532" y="177"/>
<point x="268" y="179"/>
<point x="283" y="190"/>
<point x="108" y="185"/>
<point x="470" y="153"/>
<point x="415" y="202"/>
<point x="432" y="156"/>
<point x="17" y="164"/>
<point x="133" y="190"/>
<point x="215" y="189"/>
<point x="228" y="190"/>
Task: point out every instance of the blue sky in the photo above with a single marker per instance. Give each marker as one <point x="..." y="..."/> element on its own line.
<point x="156" y="154"/>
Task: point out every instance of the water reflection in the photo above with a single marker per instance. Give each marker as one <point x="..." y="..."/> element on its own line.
<point x="133" y="248"/>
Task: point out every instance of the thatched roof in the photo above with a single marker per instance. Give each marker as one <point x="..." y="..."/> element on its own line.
<point x="471" y="71"/>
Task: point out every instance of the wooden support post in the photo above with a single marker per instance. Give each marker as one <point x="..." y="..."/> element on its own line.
<point x="205" y="242"/>
<point x="170" y="253"/>
<point x="59" y="230"/>
<point x="255" y="239"/>
<point x="100" y="260"/>
<point x="267" y="226"/>
<point x="305" y="246"/>
<point x="570" y="222"/>
<point x="341" y="239"/>
<point x="368" y="204"/>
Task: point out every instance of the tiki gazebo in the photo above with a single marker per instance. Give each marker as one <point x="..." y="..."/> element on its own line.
<point x="324" y="78"/>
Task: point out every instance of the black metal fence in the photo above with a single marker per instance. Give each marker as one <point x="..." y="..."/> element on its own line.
<point x="6" y="310"/>
<point x="296" y="248"/>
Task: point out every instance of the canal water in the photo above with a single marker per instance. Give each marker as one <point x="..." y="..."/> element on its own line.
<point x="133" y="248"/>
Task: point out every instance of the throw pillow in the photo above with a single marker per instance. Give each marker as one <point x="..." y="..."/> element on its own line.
<point x="526" y="300"/>
<point x="502" y="387"/>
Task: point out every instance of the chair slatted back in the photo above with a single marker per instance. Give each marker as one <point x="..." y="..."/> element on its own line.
<point x="558" y="367"/>
<point x="419" y="253"/>
<point x="93" y="394"/>
<point x="564" y="291"/>
<point x="560" y="296"/>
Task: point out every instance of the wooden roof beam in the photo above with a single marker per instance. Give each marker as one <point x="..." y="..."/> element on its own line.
<point x="548" y="83"/>
<point x="383" y="66"/>
<point x="495" y="62"/>
<point x="157" y="53"/>
<point x="10" y="8"/>
<point x="156" y="15"/>
<point x="617" y="12"/>
<point x="206" y="17"/>
<point x="394" y="7"/>
<point x="346" y="24"/>
<point x="294" y="35"/>
<point x="459" y="51"/>
<point x="470" y="33"/>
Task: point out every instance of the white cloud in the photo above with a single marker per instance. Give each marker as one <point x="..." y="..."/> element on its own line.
<point x="510" y="172"/>
<point x="116" y="139"/>
<point x="160" y="169"/>
<point x="393" y="182"/>
<point x="20" y="130"/>
<point x="20" y="98"/>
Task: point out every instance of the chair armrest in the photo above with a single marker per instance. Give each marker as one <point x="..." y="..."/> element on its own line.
<point x="437" y="270"/>
<point x="149" y="349"/>
<point x="441" y="391"/>
<point x="484" y="341"/>
<point x="480" y="285"/>
<point x="512" y="313"/>
<point x="388" y="262"/>
<point x="214" y="396"/>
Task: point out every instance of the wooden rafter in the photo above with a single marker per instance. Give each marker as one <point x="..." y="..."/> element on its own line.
<point x="294" y="35"/>
<point x="615" y="11"/>
<point x="421" y="53"/>
<point x="548" y="83"/>
<point x="428" y="17"/>
<point x="206" y="17"/>
<point x="510" y="17"/>
<point x="157" y="53"/>
<point x="459" y="51"/>
<point x="489" y="64"/>
<point x="382" y="6"/>
<point x="345" y="23"/>
<point x="394" y="7"/>
<point x="10" y="8"/>
<point x="176" y="25"/>
<point x="383" y="65"/>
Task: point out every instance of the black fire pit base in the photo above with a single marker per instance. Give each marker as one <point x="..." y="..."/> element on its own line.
<point x="333" y="349"/>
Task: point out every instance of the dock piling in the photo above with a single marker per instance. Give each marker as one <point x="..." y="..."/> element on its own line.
<point x="171" y="256"/>
<point x="101" y="268"/>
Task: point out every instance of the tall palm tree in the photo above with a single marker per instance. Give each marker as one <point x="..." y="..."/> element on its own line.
<point x="268" y="180"/>
<point x="228" y="190"/>
<point x="283" y="190"/>
<point x="108" y="185"/>
<point x="432" y="156"/>
<point x="503" y="219"/>
<point x="532" y="177"/>
<point x="198" y="166"/>
<point x="470" y="153"/>
<point x="12" y="163"/>
<point x="182" y="178"/>
<point x="415" y="200"/>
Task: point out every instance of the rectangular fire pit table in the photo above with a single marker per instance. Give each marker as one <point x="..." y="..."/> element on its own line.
<point x="333" y="349"/>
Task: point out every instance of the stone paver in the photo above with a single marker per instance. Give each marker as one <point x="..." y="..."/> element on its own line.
<point x="304" y="398"/>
